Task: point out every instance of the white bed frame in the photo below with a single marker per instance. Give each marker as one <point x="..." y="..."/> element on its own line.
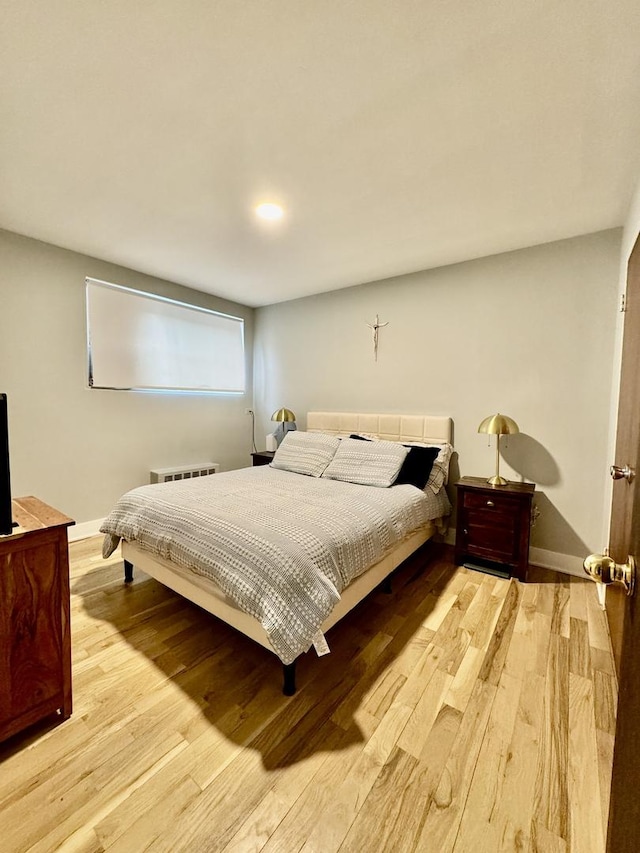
<point x="205" y="594"/>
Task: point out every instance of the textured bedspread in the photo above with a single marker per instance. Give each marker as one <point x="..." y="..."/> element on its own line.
<point x="281" y="546"/>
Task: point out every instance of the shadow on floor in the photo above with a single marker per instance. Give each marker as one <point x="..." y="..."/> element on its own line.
<point x="238" y="685"/>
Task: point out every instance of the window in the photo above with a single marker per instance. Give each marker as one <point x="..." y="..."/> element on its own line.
<point x="140" y="341"/>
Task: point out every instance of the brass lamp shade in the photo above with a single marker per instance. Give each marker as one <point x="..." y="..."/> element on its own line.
<point x="498" y="425"/>
<point x="283" y="415"/>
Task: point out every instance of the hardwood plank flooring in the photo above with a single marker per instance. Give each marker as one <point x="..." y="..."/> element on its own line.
<point x="462" y="712"/>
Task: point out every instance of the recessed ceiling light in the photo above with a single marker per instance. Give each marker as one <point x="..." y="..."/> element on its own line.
<point x="269" y="210"/>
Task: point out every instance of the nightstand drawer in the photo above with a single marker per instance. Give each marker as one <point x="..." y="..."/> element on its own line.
<point x="493" y="503"/>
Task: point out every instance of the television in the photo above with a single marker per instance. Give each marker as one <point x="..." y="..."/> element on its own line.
<point x="6" y="522"/>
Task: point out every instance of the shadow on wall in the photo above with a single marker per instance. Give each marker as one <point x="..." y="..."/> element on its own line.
<point x="530" y="459"/>
<point x="552" y="531"/>
<point x="534" y="463"/>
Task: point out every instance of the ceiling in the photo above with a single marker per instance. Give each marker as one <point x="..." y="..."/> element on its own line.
<point x="399" y="136"/>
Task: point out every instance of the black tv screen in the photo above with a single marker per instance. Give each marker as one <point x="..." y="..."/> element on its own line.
<point x="6" y="522"/>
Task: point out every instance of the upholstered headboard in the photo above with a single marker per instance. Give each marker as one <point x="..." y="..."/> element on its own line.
<point x="432" y="429"/>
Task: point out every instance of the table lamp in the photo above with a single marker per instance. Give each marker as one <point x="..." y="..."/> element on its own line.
<point x="283" y="416"/>
<point x="498" y="425"/>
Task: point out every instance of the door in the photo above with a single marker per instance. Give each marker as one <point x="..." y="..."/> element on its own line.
<point x="623" y="612"/>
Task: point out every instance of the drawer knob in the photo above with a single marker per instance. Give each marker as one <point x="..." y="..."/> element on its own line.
<point x="490" y="503"/>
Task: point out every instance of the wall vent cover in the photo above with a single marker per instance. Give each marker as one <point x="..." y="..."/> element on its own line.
<point x="183" y="472"/>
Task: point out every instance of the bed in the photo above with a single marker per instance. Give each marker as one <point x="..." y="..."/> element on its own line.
<point x="199" y="537"/>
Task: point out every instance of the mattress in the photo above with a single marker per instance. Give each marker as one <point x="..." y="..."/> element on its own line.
<point x="280" y="546"/>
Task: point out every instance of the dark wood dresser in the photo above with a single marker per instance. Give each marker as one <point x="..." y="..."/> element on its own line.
<point x="494" y="524"/>
<point x="35" y="636"/>
<point x="262" y="457"/>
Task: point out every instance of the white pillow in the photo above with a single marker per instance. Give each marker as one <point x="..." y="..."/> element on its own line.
<point x="305" y="452"/>
<point x="369" y="463"/>
<point x="440" y="472"/>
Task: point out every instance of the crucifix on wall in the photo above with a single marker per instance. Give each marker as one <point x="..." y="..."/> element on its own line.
<point x="375" y="328"/>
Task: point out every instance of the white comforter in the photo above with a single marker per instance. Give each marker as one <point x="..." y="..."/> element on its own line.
<point x="281" y="546"/>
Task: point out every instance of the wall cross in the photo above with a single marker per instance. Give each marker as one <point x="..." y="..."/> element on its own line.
<point x="375" y="328"/>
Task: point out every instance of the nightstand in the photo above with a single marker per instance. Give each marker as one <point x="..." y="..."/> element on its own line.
<point x="262" y="457"/>
<point x="493" y="525"/>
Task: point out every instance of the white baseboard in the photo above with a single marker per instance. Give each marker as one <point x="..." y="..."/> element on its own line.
<point x="565" y="563"/>
<point x="84" y="529"/>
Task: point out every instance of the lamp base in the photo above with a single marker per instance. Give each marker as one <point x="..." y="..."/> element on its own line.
<point x="497" y="481"/>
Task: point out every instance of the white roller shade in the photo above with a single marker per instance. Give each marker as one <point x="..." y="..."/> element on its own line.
<point x="140" y="341"/>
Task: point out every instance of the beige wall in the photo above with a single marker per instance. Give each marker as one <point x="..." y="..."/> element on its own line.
<point x="79" y="449"/>
<point x="528" y="333"/>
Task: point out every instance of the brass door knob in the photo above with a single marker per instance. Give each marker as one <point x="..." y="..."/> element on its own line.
<point x="618" y="473"/>
<point x="603" y="569"/>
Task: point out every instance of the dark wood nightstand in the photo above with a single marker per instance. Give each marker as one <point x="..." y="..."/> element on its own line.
<point x="493" y="525"/>
<point x="262" y="457"/>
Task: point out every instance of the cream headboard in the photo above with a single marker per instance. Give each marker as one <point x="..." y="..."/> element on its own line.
<point x="432" y="429"/>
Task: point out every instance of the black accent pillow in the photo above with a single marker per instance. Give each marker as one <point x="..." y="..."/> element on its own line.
<point x="417" y="466"/>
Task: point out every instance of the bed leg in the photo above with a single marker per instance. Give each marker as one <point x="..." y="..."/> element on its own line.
<point x="128" y="572"/>
<point x="386" y="585"/>
<point x="289" y="673"/>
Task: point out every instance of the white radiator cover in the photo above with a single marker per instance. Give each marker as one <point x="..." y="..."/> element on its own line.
<point x="183" y="472"/>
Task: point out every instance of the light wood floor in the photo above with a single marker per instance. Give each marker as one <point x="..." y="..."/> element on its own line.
<point x="460" y="713"/>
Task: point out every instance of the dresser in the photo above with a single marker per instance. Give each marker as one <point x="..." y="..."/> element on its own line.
<point x="35" y="637"/>
<point x="494" y="524"/>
